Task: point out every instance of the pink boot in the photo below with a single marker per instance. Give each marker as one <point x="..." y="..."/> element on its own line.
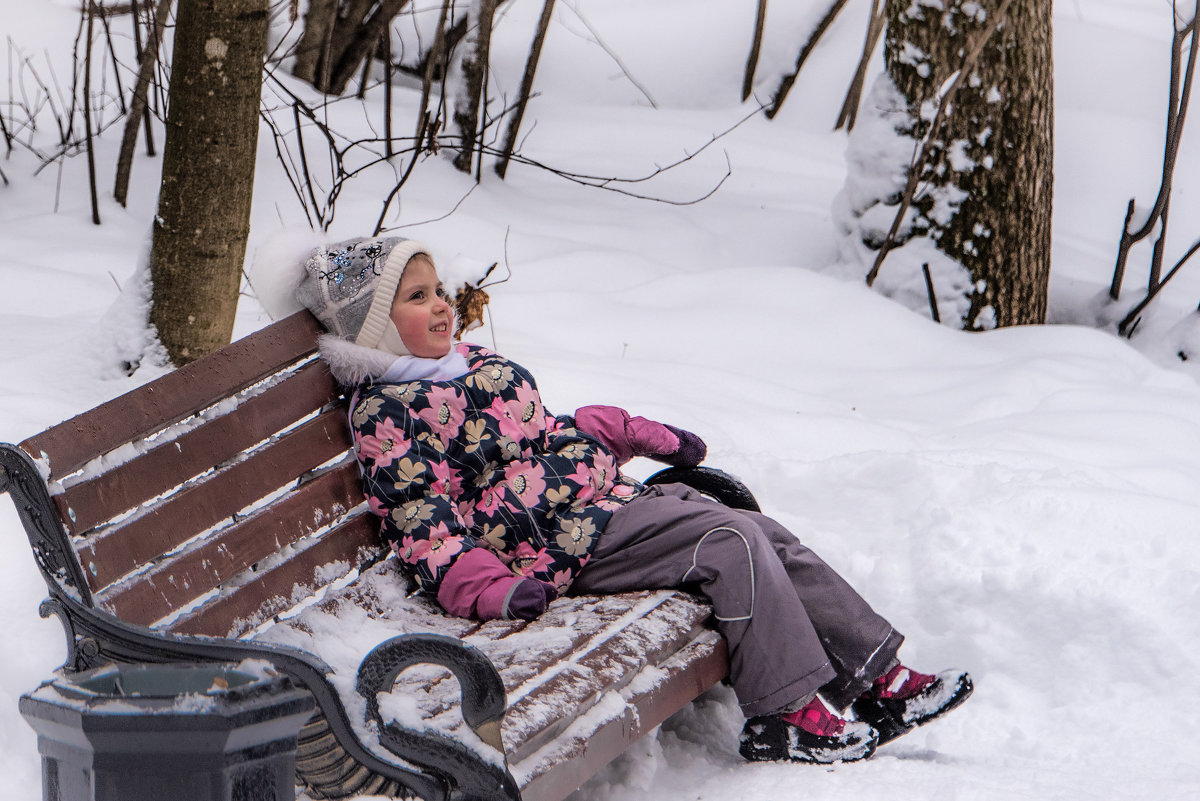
<point x="810" y="734"/>
<point x="902" y="699"/>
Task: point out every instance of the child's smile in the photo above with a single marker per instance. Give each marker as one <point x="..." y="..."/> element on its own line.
<point x="421" y="311"/>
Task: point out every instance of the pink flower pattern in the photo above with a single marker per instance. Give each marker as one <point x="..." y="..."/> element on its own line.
<point x="494" y="462"/>
<point x="445" y="413"/>
<point x="383" y="447"/>
<point x="527" y="480"/>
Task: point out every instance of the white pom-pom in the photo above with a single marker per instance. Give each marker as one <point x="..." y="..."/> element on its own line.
<point x="278" y="268"/>
<point x="463" y="271"/>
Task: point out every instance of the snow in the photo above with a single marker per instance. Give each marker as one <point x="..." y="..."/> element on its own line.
<point x="1020" y="503"/>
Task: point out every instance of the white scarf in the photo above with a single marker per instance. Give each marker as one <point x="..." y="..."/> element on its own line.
<point x="415" y="368"/>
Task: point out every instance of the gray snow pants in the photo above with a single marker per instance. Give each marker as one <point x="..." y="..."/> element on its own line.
<point x="793" y="626"/>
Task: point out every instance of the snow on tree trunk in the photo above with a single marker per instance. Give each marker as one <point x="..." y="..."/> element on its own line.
<point x="980" y="219"/>
<point x="203" y="219"/>
<point x="466" y="80"/>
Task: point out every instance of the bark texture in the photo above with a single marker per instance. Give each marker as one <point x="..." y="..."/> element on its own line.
<point x="470" y="92"/>
<point x="994" y="152"/>
<point x="338" y="37"/>
<point x="203" y="219"/>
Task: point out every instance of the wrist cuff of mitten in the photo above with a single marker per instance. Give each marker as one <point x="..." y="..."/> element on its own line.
<point x="527" y="599"/>
<point x="493" y="602"/>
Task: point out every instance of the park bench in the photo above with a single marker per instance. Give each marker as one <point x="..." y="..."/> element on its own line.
<point x="216" y="514"/>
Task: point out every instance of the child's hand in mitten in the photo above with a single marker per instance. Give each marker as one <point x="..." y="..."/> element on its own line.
<point x="691" y="450"/>
<point x="629" y="436"/>
<point x="517" y="598"/>
<point x="480" y="586"/>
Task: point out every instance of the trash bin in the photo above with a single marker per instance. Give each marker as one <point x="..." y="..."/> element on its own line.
<point x="175" y="732"/>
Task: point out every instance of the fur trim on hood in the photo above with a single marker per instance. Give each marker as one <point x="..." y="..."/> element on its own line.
<point x="278" y="268"/>
<point x="353" y="364"/>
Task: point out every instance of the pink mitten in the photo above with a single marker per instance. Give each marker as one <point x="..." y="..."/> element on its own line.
<point x="479" y="585"/>
<point x="629" y="436"/>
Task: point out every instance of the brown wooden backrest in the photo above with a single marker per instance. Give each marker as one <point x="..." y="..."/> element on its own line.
<point x="219" y="495"/>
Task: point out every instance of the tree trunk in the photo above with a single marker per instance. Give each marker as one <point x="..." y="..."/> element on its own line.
<point x="361" y="44"/>
<point x="338" y="36"/>
<point x="319" y="21"/>
<point x="199" y="239"/>
<point x="535" y="54"/>
<point x="981" y="217"/>
<point x="472" y="66"/>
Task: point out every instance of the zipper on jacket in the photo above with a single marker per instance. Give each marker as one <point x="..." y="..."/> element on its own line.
<point x="537" y="530"/>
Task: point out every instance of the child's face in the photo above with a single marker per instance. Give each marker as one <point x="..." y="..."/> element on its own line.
<point x="421" y="312"/>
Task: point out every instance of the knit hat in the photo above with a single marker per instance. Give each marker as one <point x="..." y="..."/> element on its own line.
<point x="349" y="286"/>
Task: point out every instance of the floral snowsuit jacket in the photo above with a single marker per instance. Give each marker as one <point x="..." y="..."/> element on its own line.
<point x="477" y="461"/>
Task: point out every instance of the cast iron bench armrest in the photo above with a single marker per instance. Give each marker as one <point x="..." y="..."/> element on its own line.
<point x="483" y="698"/>
<point x="483" y="707"/>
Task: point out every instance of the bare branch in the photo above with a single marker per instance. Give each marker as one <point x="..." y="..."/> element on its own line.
<point x="785" y="85"/>
<point x="760" y="20"/>
<point x="1130" y="323"/>
<point x="90" y="11"/>
<point x="849" y="110"/>
<point x="140" y="102"/>
<point x="1180" y="94"/>
<point x="933" y="304"/>
<point x="612" y="54"/>
<point x="524" y="93"/>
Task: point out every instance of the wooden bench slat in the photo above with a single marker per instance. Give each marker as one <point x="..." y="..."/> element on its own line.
<point x="174" y="396"/>
<point x="534" y="719"/>
<point x="277" y="589"/>
<point x="173" y="583"/>
<point x="384" y="593"/>
<point x="170" y="464"/>
<point x="177" y="519"/>
<point x="507" y="643"/>
<point x="581" y="648"/>
<point x="517" y="664"/>
<point x="581" y="750"/>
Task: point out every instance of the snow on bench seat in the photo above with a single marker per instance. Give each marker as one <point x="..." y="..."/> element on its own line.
<point x="583" y="680"/>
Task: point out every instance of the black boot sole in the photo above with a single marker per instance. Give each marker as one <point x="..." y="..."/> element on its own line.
<point x="769" y="739"/>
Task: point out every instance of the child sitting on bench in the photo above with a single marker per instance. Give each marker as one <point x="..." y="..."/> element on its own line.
<point x="495" y="507"/>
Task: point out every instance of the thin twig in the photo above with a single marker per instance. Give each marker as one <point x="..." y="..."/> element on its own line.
<point x="396" y="190"/>
<point x="1176" y="114"/>
<point x="305" y="172"/>
<point x="933" y="304"/>
<point x="849" y="112"/>
<point x="113" y="54"/>
<point x="386" y="46"/>
<point x="1130" y="323"/>
<point x="280" y="150"/>
<point x="612" y="54"/>
<point x="137" y="52"/>
<point x="87" y="112"/>
<point x="380" y="230"/>
<point x="140" y="103"/>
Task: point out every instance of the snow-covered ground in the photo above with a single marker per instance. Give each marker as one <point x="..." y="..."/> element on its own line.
<point x="1021" y="503"/>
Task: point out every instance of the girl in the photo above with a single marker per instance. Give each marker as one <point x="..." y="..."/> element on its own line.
<point x="495" y="507"/>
